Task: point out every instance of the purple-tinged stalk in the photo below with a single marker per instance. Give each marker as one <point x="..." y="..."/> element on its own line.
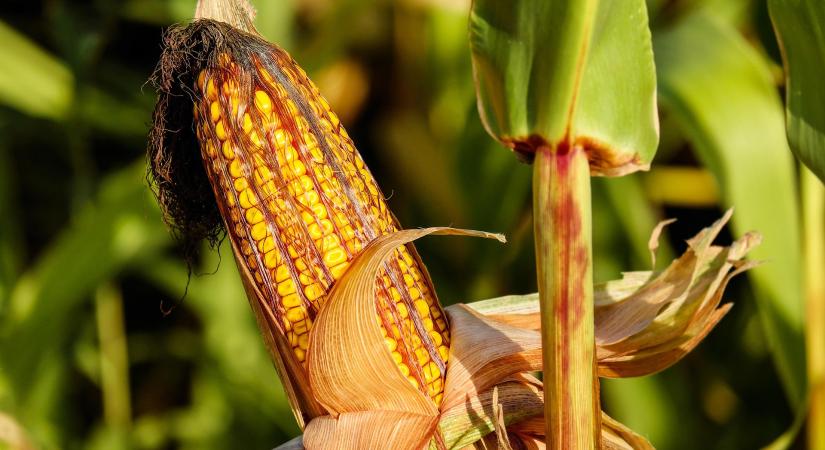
<point x="562" y="226"/>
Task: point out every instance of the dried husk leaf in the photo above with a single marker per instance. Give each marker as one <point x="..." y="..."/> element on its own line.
<point x="484" y="352"/>
<point x="466" y="423"/>
<point x="350" y="368"/>
<point x="369" y="430"/>
<point x="619" y="321"/>
<point x="682" y="325"/>
<point x="502" y="440"/>
<point x="653" y="242"/>
<point x="616" y="436"/>
<point x="684" y="301"/>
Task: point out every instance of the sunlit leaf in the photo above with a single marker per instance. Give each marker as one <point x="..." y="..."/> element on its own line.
<point x="32" y="80"/>
<point x="118" y="229"/>
<point x="721" y="92"/>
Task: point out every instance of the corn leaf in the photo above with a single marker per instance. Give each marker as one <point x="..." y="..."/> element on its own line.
<point x="721" y="93"/>
<point x="800" y="29"/>
<point x="120" y="228"/>
<point x="33" y="81"/>
<point x="545" y="69"/>
<point x="10" y="233"/>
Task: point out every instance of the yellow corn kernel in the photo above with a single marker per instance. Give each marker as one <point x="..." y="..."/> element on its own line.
<point x="220" y="130"/>
<point x="263" y="103"/>
<point x="302" y="205"/>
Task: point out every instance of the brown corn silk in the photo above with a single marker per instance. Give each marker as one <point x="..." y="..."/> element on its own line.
<point x="296" y="199"/>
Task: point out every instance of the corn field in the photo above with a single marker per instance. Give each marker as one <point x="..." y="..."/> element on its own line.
<point x="215" y="222"/>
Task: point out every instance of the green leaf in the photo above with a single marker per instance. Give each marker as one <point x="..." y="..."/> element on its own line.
<point x="574" y="72"/>
<point x="721" y="92"/>
<point x="32" y="80"/>
<point x="121" y="228"/>
<point x="616" y="112"/>
<point x="274" y="20"/>
<point x="527" y="59"/>
<point x="800" y="30"/>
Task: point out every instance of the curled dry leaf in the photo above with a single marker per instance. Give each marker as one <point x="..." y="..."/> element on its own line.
<point x="483" y="352"/>
<point x="467" y="422"/>
<point x="646" y="321"/>
<point x="653" y="242"/>
<point x="616" y="436"/>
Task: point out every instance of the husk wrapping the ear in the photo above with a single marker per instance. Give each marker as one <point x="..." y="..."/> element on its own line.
<point x="350" y="368"/>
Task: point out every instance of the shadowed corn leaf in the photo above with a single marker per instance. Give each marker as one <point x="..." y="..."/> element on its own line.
<point x="800" y="30"/>
<point x="709" y="75"/>
<point x="32" y="80"/>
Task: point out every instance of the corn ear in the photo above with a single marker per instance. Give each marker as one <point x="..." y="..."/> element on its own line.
<point x="270" y="162"/>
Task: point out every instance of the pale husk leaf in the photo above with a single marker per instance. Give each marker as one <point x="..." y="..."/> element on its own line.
<point x="367" y="430"/>
<point x="484" y="352"/>
<point x="350" y="368"/>
<point x="466" y="423"/>
<point x="684" y="301"/>
<point x="653" y="242"/>
<point x="619" y="321"/>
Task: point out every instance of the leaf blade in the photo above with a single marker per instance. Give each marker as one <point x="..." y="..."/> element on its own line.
<point x="801" y="35"/>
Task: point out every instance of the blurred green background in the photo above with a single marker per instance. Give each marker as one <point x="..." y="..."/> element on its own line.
<point x="100" y="348"/>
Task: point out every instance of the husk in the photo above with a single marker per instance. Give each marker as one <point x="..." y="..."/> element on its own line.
<point x="350" y="368"/>
<point x="292" y="375"/>
<point x="485" y="351"/>
<point x="619" y="321"/>
<point x="467" y="422"/>
<point x="369" y="430"/>
<point x="667" y="314"/>
<point x="616" y="436"/>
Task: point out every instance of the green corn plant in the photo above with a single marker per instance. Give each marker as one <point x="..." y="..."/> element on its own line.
<point x="243" y="141"/>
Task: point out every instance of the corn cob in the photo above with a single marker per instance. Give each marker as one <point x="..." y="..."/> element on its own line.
<point x="300" y="204"/>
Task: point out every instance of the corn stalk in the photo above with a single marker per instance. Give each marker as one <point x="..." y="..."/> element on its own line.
<point x="562" y="227"/>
